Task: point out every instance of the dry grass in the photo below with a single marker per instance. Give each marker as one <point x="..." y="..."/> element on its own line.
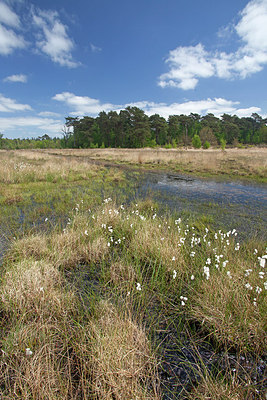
<point x="47" y="373"/>
<point x="64" y="250"/>
<point x="158" y="243"/>
<point x="225" y="307"/>
<point x="71" y="358"/>
<point x="211" y="389"/>
<point x="122" y="274"/>
<point x="36" y="166"/>
<point x="122" y="364"/>
<point x="32" y="288"/>
<point x="38" y="333"/>
<point x="240" y="162"/>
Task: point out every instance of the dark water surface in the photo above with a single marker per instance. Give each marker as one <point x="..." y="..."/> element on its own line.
<point x="238" y="205"/>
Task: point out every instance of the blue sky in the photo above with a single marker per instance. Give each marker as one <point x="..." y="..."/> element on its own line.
<point x="72" y="58"/>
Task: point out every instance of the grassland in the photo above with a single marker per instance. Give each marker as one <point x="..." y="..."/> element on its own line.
<point x="89" y="301"/>
<point x="233" y="163"/>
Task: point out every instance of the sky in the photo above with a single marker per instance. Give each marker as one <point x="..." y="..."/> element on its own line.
<point x="74" y="58"/>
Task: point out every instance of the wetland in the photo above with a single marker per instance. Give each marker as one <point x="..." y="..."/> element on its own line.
<point x="119" y="281"/>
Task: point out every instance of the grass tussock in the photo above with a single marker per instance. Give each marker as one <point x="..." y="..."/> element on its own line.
<point x="65" y="250"/>
<point x="39" y="332"/>
<point x="158" y="243"/>
<point x="122" y="364"/>
<point x="233" y="312"/>
<point x="219" y="389"/>
<point x="35" y="288"/>
<point x="122" y="274"/>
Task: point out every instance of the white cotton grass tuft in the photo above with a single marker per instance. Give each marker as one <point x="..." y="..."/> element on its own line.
<point x="206" y="272"/>
<point x="262" y="261"/>
<point x="138" y="286"/>
<point x="183" y="300"/>
<point x="28" y="352"/>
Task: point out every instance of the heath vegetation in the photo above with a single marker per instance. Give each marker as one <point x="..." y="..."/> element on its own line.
<point x="88" y="305"/>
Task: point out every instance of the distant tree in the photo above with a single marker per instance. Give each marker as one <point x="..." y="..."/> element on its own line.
<point x="138" y="125"/>
<point x="223" y="143"/>
<point x="214" y="123"/>
<point x="230" y="128"/>
<point x="175" y="129"/>
<point x="72" y="123"/>
<point x="196" y="142"/>
<point x="67" y="133"/>
<point x="159" y="129"/>
<point x="186" y="123"/>
<point x="206" y="145"/>
<point x="206" y="135"/>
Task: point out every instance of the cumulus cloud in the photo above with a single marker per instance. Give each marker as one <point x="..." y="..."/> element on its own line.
<point x="28" y="126"/>
<point x="189" y="64"/>
<point x="217" y="106"/>
<point x="52" y="38"/>
<point x="16" y="78"/>
<point x="10" y="105"/>
<point x="84" y="105"/>
<point x="8" y="17"/>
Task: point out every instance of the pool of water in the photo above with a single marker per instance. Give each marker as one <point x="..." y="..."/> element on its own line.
<point x="238" y="205"/>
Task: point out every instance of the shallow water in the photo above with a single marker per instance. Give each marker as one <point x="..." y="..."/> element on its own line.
<point x="231" y="204"/>
<point x="228" y="204"/>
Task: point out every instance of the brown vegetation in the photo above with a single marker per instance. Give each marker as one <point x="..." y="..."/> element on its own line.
<point x="245" y="163"/>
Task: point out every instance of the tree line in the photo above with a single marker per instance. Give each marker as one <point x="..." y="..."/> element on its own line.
<point x="41" y="142"/>
<point x="132" y="128"/>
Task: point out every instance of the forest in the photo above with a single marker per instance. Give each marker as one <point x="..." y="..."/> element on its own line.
<point x="132" y="128"/>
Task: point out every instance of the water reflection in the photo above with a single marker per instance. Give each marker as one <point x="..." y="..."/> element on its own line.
<point x="231" y="204"/>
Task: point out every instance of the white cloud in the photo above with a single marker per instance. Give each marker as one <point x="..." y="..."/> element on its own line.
<point x="52" y="38"/>
<point x="252" y="28"/>
<point x="9" y="41"/>
<point x="95" y="49"/>
<point x="8" y="17"/>
<point x="48" y="114"/>
<point x="27" y="126"/>
<point x="16" y="78"/>
<point x="217" y="106"/>
<point x="10" y="105"/>
<point x="188" y="64"/>
<point x="83" y="105"/>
